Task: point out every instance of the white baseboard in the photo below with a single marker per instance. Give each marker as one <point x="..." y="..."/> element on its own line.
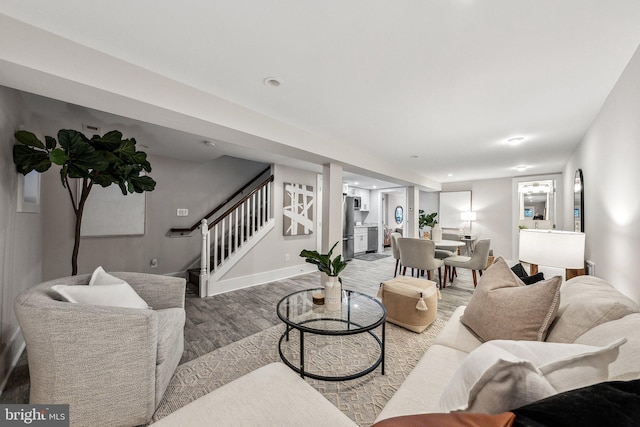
<point x="11" y="354"/>
<point x="228" y="285"/>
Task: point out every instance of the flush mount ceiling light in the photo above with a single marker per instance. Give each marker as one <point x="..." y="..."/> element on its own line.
<point x="516" y="140"/>
<point x="272" y="82"/>
<point x="209" y="144"/>
<point x="521" y="168"/>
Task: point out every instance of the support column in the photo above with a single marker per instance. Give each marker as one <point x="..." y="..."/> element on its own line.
<point x="331" y="208"/>
<point x="413" y="206"/>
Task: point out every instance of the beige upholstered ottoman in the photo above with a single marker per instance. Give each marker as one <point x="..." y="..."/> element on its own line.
<point x="411" y="303"/>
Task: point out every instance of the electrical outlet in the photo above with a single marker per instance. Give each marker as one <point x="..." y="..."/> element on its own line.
<point x="183" y="212"/>
<point x="286" y="257"/>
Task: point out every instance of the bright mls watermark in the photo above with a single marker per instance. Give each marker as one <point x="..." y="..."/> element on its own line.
<point x="34" y="415"/>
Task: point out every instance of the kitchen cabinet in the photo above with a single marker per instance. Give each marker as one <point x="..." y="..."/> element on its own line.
<point x="365" y="197"/>
<point x="360" y="240"/>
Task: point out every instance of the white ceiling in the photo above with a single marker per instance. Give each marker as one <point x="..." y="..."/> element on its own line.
<point x="446" y="81"/>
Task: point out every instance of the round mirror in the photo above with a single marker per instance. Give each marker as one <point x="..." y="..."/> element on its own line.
<point x="399" y="215"/>
<point x="578" y="202"/>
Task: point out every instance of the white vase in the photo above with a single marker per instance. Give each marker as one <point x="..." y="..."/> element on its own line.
<point x="332" y="292"/>
<point x="436" y="233"/>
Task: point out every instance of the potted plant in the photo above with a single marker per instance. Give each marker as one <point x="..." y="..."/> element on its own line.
<point x="102" y="160"/>
<point x="425" y="220"/>
<point x="330" y="270"/>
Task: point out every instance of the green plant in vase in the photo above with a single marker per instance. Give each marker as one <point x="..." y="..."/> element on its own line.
<point x="331" y="269"/>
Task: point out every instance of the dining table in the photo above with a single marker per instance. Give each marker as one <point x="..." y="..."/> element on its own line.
<point x="450" y="245"/>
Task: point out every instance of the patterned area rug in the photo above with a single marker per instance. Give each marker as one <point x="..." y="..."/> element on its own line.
<point x="370" y="257"/>
<point x="361" y="399"/>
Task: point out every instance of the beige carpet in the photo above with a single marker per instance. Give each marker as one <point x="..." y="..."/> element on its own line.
<point x="361" y="399"/>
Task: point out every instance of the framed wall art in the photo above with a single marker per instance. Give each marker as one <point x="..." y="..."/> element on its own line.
<point x="297" y="209"/>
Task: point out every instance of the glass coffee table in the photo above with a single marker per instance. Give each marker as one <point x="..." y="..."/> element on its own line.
<point x="359" y="314"/>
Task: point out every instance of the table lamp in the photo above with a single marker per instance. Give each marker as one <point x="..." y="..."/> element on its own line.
<point x="468" y="216"/>
<point x="553" y="248"/>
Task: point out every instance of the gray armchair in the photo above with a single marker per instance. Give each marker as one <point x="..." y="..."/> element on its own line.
<point x="111" y="365"/>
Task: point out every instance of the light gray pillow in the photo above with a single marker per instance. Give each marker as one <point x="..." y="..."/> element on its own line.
<point x="587" y="302"/>
<point x="103" y="289"/>
<point x="504" y="308"/>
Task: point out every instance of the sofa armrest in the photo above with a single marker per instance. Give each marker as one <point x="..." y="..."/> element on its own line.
<point x="81" y="355"/>
<point x="158" y="291"/>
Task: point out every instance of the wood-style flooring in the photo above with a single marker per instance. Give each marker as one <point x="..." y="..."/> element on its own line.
<point x="217" y="321"/>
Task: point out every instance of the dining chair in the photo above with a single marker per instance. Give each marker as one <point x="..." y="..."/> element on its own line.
<point x="396" y="251"/>
<point x="419" y="254"/>
<point x="477" y="262"/>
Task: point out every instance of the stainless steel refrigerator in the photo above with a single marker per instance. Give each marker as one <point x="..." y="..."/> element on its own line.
<point x="348" y="223"/>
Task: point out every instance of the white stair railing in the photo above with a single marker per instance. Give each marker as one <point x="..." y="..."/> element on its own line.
<point x="232" y="231"/>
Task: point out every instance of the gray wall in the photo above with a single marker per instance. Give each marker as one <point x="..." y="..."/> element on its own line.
<point x="492" y="200"/>
<point x="20" y="233"/>
<point x="608" y="157"/>
<point x="198" y="187"/>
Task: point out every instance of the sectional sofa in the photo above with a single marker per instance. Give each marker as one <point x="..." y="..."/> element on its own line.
<point x="589" y="318"/>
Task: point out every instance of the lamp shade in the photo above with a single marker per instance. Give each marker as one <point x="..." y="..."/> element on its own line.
<point x="468" y="216"/>
<point x="553" y="248"/>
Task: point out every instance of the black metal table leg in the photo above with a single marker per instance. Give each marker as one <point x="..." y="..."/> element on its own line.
<point x="302" y="354"/>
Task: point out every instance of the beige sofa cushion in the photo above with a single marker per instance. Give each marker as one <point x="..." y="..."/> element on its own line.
<point x="272" y="395"/>
<point x="456" y="335"/>
<point x="586" y="302"/>
<point x="420" y="390"/>
<point x="503" y="307"/>
<point x="627" y="365"/>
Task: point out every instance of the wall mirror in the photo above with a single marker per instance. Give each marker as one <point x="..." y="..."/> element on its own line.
<point x="399" y="215"/>
<point x="578" y="202"/>
<point x="537" y="204"/>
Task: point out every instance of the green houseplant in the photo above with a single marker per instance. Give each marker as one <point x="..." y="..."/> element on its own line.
<point x="330" y="269"/>
<point x="425" y="220"/>
<point x="102" y="160"/>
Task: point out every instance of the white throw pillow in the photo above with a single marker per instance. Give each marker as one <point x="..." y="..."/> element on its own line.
<point x="101" y="277"/>
<point x="503" y="375"/>
<point x="103" y="289"/>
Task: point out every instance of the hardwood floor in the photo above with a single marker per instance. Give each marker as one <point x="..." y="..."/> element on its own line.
<point x="217" y="321"/>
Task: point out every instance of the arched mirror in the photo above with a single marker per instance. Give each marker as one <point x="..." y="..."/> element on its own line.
<point x="578" y="201"/>
<point x="399" y="215"/>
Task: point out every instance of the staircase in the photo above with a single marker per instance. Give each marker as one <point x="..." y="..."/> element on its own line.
<point x="243" y="221"/>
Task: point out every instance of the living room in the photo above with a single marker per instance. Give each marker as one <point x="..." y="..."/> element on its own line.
<point x="30" y="250"/>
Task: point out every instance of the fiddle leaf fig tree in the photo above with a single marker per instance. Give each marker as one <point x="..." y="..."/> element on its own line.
<point x="101" y="160"/>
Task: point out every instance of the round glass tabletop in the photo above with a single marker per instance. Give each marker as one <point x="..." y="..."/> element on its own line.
<point x="358" y="313"/>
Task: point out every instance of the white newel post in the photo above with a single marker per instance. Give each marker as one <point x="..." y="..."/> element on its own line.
<point x="204" y="258"/>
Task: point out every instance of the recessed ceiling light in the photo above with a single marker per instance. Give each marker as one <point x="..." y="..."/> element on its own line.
<point x="521" y="168"/>
<point x="272" y="81"/>
<point x="355" y="183"/>
<point x="516" y="140"/>
<point x="449" y="174"/>
<point x="413" y="156"/>
<point x="374" y="187"/>
<point x="210" y="144"/>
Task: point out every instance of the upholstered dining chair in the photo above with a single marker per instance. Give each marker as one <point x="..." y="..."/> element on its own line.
<point x="477" y="262"/>
<point x="419" y="254"/>
<point x="396" y="251"/>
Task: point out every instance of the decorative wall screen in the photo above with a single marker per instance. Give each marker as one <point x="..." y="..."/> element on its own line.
<point x="298" y="209"/>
